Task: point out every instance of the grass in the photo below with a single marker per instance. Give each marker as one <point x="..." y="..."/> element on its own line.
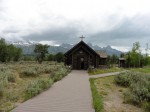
<point x="145" y="70"/>
<point x="105" y="85"/>
<point x="23" y="80"/>
<point x="112" y="95"/>
<point x="138" y="86"/>
<point x="97" y="99"/>
<point x="102" y="71"/>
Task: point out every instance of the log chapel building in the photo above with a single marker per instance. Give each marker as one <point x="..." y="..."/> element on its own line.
<point x="81" y="56"/>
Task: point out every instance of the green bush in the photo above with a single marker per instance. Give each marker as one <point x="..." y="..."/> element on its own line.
<point x="58" y="75"/>
<point x="146" y="106"/>
<point x="1" y="91"/>
<point x="30" y="72"/>
<point x="12" y="96"/>
<point x="3" y="79"/>
<point x="139" y="87"/>
<point x="37" y="70"/>
<point x="97" y="99"/>
<point x="3" y="82"/>
<point x="123" y="79"/>
<point x="6" y="107"/>
<point x="3" y="69"/>
<point x="11" y="77"/>
<point x="35" y="79"/>
<point x="34" y="88"/>
<point x="48" y="69"/>
<point x="140" y="91"/>
<point x="44" y="84"/>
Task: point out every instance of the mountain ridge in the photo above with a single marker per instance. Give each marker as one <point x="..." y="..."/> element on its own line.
<point x="28" y="48"/>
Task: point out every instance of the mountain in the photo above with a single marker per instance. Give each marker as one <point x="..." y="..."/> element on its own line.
<point x="108" y="49"/>
<point x="28" y="48"/>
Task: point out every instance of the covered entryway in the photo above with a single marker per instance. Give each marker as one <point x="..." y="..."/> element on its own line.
<point x="81" y="63"/>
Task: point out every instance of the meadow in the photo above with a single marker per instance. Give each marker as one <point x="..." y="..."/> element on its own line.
<point x="96" y="71"/>
<point x="127" y="92"/>
<point x="21" y="81"/>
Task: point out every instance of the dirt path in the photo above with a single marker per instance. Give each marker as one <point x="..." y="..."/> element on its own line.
<point x="113" y="97"/>
<point x="72" y="94"/>
<point x="104" y="75"/>
<point x="114" y="103"/>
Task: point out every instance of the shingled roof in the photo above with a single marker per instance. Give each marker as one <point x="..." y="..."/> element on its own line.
<point x="84" y="44"/>
<point x="102" y="54"/>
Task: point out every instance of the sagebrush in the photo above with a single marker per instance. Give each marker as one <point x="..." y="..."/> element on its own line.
<point x="139" y="88"/>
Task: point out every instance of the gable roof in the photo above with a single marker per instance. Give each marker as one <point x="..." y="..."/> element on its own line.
<point x="102" y="54"/>
<point x="80" y="43"/>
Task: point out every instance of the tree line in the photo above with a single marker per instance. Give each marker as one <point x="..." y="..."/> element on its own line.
<point x="9" y="52"/>
<point x="41" y="54"/>
<point x="59" y="57"/>
<point x="133" y="58"/>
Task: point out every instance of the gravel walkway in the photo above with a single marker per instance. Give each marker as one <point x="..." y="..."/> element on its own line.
<point x="72" y="94"/>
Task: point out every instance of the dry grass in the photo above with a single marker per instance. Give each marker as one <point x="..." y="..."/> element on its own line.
<point x="145" y="70"/>
<point x="15" y="79"/>
<point x="113" y="96"/>
<point x="102" y="71"/>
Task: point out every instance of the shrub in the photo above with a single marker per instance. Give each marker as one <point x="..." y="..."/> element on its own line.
<point x="11" y="77"/>
<point x="138" y="95"/>
<point x="140" y="91"/>
<point x="123" y="79"/>
<point x="30" y="72"/>
<point x="6" y="107"/>
<point x="34" y="88"/>
<point x="37" y="70"/>
<point x="3" y="82"/>
<point x="3" y="69"/>
<point x="3" y="78"/>
<point x="146" y="106"/>
<point x="32" y="91"/>
<point x="139" y="87"/>
<point x="58" y="75"/>
<point x="1" y="91"/>
<point x="52" y="75"/>
<point x="44" y="84"/>
<point x="48" y="69"/>
<point x="12" y="96"/>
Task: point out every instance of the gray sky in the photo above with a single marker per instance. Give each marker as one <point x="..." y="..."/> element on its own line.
<point x="118" y="23"/>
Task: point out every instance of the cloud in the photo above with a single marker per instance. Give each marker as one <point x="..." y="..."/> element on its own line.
<point x="117" y="23"/>
<point x="123" y="33"/>
<point x="64" y="34"/>
<point x="126" y="33"/>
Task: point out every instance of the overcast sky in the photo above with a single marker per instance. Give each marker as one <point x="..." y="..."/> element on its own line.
<point x="118" y="23"/>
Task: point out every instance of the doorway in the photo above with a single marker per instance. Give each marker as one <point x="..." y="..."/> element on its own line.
<point x="82" y="63"/>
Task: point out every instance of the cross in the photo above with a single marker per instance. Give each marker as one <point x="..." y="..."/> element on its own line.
<point x="82" y="38"/>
